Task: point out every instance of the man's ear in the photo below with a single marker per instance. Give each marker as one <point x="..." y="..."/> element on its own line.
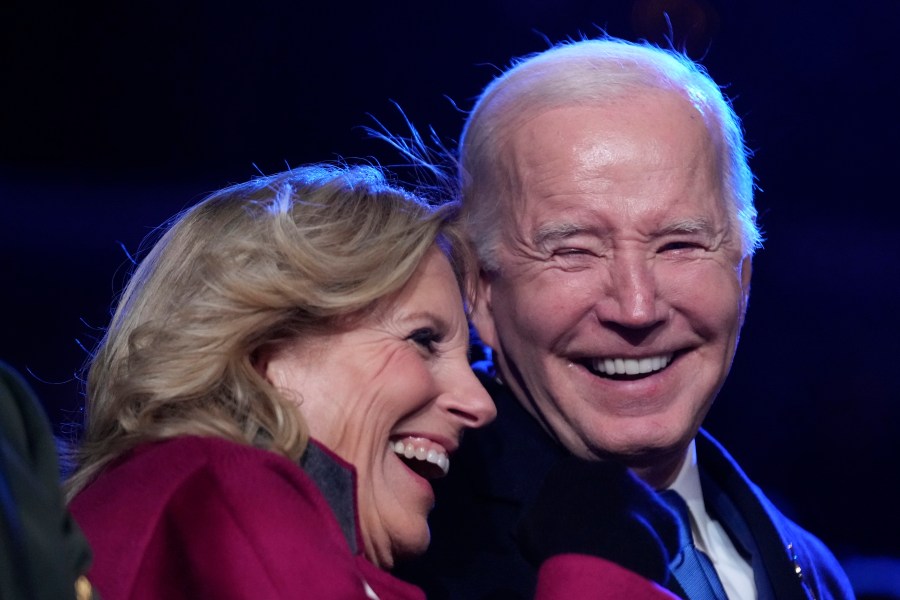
<point x="746" y="274"/>
<point x="482" y="313"/>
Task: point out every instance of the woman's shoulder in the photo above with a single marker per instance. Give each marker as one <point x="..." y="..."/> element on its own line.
<point x="156" y="472"/>
<point x="204" y="497"/>
<point x="163" y="483"/>
<point x="189" y="451"/>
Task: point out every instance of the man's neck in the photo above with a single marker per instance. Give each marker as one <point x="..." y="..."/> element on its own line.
<point x="657" y="471"/>
<point x="664" y="469"/>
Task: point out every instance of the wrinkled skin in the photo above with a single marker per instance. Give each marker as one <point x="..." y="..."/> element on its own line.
<point x="616" y="244"/>
<point x="402" y="373"/>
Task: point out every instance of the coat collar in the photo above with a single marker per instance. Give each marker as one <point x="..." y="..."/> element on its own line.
<point x="516" y="454"/>
<point x="336" y="479"/>
<point x="753" y="520"/>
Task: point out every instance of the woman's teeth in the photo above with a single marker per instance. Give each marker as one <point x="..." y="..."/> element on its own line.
<point x="417" y="451"/>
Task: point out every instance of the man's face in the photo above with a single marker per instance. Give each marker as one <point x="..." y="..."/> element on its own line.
<point x="621" y="291"/>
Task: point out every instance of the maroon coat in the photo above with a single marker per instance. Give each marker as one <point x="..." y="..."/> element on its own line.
<point x="199" y="518"/>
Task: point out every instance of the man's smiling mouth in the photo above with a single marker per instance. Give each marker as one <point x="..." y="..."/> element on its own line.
<point x="628" y="368"/>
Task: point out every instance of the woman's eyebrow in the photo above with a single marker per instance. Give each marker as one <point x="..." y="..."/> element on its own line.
<point x="428" y="315"/>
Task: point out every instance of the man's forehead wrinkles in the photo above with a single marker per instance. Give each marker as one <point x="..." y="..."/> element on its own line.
<point x="547" y="179"/>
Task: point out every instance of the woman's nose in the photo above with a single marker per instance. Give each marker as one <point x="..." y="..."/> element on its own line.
<point x="467" y="399"/>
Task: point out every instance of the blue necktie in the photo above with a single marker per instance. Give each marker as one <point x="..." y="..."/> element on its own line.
<point x="690" y="567"/>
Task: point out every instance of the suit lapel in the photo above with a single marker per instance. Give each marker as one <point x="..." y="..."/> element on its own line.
<point x="752" y="522"/>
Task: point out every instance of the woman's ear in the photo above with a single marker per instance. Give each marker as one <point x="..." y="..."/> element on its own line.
<point x="262" y="360"/>
<point x="285" y="364"/>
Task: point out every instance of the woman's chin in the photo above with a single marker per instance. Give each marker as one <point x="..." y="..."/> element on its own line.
<point x="409" y="548"/>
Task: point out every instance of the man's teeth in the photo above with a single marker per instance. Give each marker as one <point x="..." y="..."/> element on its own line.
<point x="419" y="452"/>
<point x="631" y="366"/>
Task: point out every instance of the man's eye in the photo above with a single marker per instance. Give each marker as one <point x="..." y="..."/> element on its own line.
<point x="680" y="245"/>
<point x="571" y="252"/>
<point x="574" y="259"/>
<point x="426" y="338"/>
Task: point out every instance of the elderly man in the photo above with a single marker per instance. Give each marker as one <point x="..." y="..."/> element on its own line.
<point x="608" y="194"/>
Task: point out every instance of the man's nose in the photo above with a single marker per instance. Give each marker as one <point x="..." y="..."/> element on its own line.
<point x="631" y="298"/>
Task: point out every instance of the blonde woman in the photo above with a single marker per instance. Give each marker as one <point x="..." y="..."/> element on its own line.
<point x="285" y="373"/>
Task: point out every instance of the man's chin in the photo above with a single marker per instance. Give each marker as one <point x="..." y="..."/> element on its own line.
<point x="653" y="458"/>
<point x="657" y="464"/>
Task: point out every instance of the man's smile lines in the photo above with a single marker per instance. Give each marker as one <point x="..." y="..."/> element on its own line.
<point x="630" y="366"/>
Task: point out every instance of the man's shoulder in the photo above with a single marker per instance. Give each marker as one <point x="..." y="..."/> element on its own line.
<point x="506" y="459"/>
<point x="496" y="470"/>
<point x="791" y="553"/>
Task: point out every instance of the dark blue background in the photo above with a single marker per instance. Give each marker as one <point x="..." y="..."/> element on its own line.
<point x="113" y="118"/>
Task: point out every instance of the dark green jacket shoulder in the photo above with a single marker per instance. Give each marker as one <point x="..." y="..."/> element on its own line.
<point x="42" y="551"/>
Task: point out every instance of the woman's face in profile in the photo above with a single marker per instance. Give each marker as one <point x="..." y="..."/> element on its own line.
<point x="392" y="397"/>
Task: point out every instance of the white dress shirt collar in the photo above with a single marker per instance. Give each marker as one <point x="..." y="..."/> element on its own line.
<point x="734" y="571"/>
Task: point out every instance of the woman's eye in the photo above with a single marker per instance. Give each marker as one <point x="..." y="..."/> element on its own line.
<point x="426" y="337"/>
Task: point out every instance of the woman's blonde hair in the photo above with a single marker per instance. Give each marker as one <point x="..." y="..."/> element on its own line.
<point x="250" y="265"/>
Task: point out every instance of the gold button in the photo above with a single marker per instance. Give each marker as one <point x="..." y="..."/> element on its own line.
<point x="83" y="589"/>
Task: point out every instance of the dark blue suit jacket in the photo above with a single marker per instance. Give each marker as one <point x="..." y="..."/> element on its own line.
<point x="498" y="471"/>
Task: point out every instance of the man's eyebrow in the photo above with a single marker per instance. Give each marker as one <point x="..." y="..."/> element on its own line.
<point x="550" y="232"/>
<point x="688" y="226"/>
<point x="556" y="231"/>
